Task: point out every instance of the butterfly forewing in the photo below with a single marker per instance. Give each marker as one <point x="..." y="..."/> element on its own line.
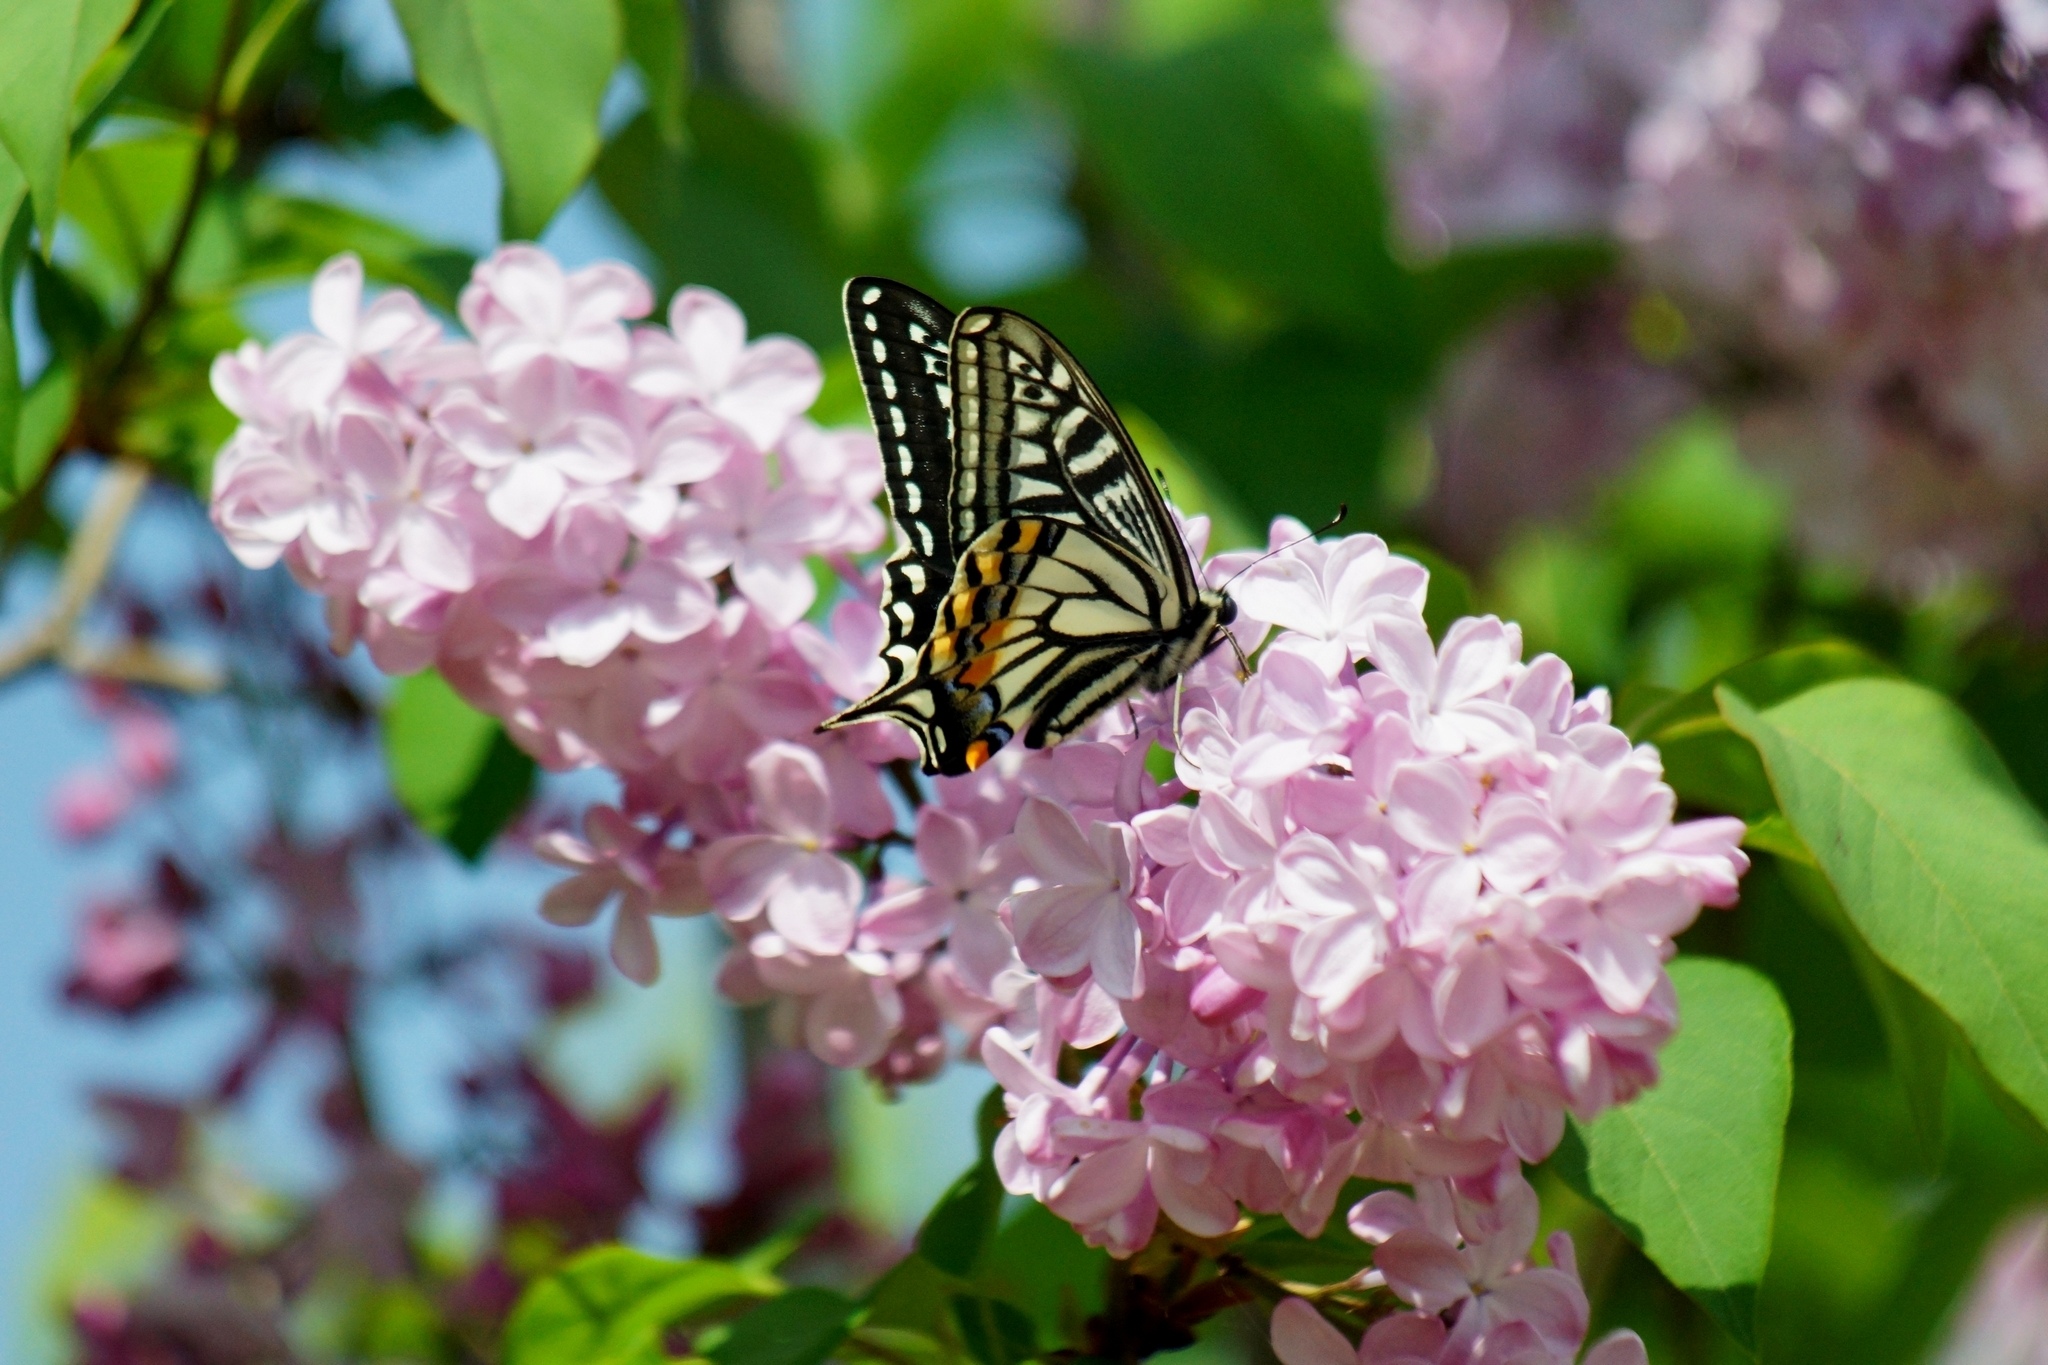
<point x="900" y="347"/>
<point x="1035" y="437"/>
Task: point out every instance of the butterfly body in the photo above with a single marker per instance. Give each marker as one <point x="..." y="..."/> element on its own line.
<point x="1039" y="575"/>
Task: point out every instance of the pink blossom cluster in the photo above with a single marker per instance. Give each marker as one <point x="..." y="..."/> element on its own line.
<point x="1855" y="194"/>
<point x="1436" y="895"/>
<point x="601" y="533"/>
<point x="1459" y="1247"/>
<point x="92" y="798"/>
<point x="1385" y="906"/>
<point x="1844" y="198"/>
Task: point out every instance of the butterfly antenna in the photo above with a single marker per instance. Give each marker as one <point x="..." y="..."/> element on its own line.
<point x="1343" y="511"/>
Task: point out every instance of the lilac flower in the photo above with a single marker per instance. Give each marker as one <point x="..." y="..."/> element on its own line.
<point x="521" y="307"/>
<point x="1078" y="918"/>
<point x="616" y="859"/>
<point x="811" y="895"/>
<point x="705" y="357"/>
<point x="1334" y="594"/>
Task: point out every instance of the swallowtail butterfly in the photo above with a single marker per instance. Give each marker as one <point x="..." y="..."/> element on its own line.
<point x="1038" y="576"/>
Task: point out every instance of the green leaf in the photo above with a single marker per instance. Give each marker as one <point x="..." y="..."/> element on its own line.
<point x="527" y="74"/>
<point x="124" y="196"/>
<point x="108" y="78"/>
<point x="49" y="47"/>
<point x="1457" y="294"/>
<point x="994" y="1332"/>
<point x="1272" y="1245"/>
<point x="739" y="212"/>
<point x="1937" y="858"/>
<point x="1692" y="509"/>
<point x="658" y="47"/>
<point x="611" y="1305"/>
<point x="798" y="1328"/>
<point x="46" y="412"/>
<point x="1041" y="1264"/>
<point x="291" y="238"/>
<point x="1707" y="763"/>
<point x="1689" y="1169"/>
<point x="957" y="1232"/>
<point x="14" y="210"/>
<point x="1252" y="152"/>
<point x="1917" y="1035"/>
<point x="453" y="768"/>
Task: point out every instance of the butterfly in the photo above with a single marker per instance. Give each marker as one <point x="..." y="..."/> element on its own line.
<point x="1039" y="576"/>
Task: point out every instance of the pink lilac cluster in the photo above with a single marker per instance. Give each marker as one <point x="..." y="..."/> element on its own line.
<point x="1393" y="923"/>
<point x="94" y="797"/>
<point x="1458" y="1249"/>
<point x="601" y="532"/>
<point x="1845" y="199"/>
<point x="1855" y="194"/>
<point x="1385" y="906"/>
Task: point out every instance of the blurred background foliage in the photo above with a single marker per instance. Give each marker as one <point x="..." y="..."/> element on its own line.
<point x="1194" y="195"/>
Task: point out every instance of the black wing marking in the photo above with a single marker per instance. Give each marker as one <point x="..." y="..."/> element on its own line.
<point x="1046" y="623"/>
<point x="900" y="346"/>
<point x="1033" y="436"/>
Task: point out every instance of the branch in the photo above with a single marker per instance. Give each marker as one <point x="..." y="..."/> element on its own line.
<point x="55" y="636"/>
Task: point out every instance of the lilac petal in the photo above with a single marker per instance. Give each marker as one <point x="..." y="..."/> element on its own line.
<point x="909" y="921"/>
<point x="1197" y="1205"/>
<point x="1403" y="1339"/>
<point x="575" y="901"/>
<point x="585" y="632"/>
<point x="1621" y="1347"/>
<point x="775" y="380"/>
<point x="948" y="849"/>
<point x="1316" y="877"/>
<point x="1548" y="1300"/>
<point x="1337" y="956"/>
<point x="1113" y="952"/>
<point x="1658" y="908"/>
<point x="1475" y="658"/>
<point x="850" y="1027"/>
<point x="337" y="294"/>
<point x="1302" y="1336"/>
<point x="790" y="791"/>
<point x="1625" y="966"/>
<point x="1381" y="1214"/>
<point x="1228" y="837"/>
<point x="1434" y="806"/>
<point x="1518" y="845"/>
<point x="525" y="497"/>
<point x="710" y="331"/>
<point x="1056" y="926"/>
<point x="1056" y="846"/>
<point x="1102" y="1183"/>
<point x="782" y="588"/>
<point x="634" y="951"/>
<point x="1285" y="591"/>
<point x="1471" y="1000"/>
<point x="816" y="904"/>
<point x="739" y="872"/>
<point x="1164" y="835"/>
<point x="1403" y="651"/>
<point x="1423" y="1269"/>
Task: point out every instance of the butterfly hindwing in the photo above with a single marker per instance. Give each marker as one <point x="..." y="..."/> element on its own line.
<point x="1046" y="624"/>
<point x="900" y="341"/>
